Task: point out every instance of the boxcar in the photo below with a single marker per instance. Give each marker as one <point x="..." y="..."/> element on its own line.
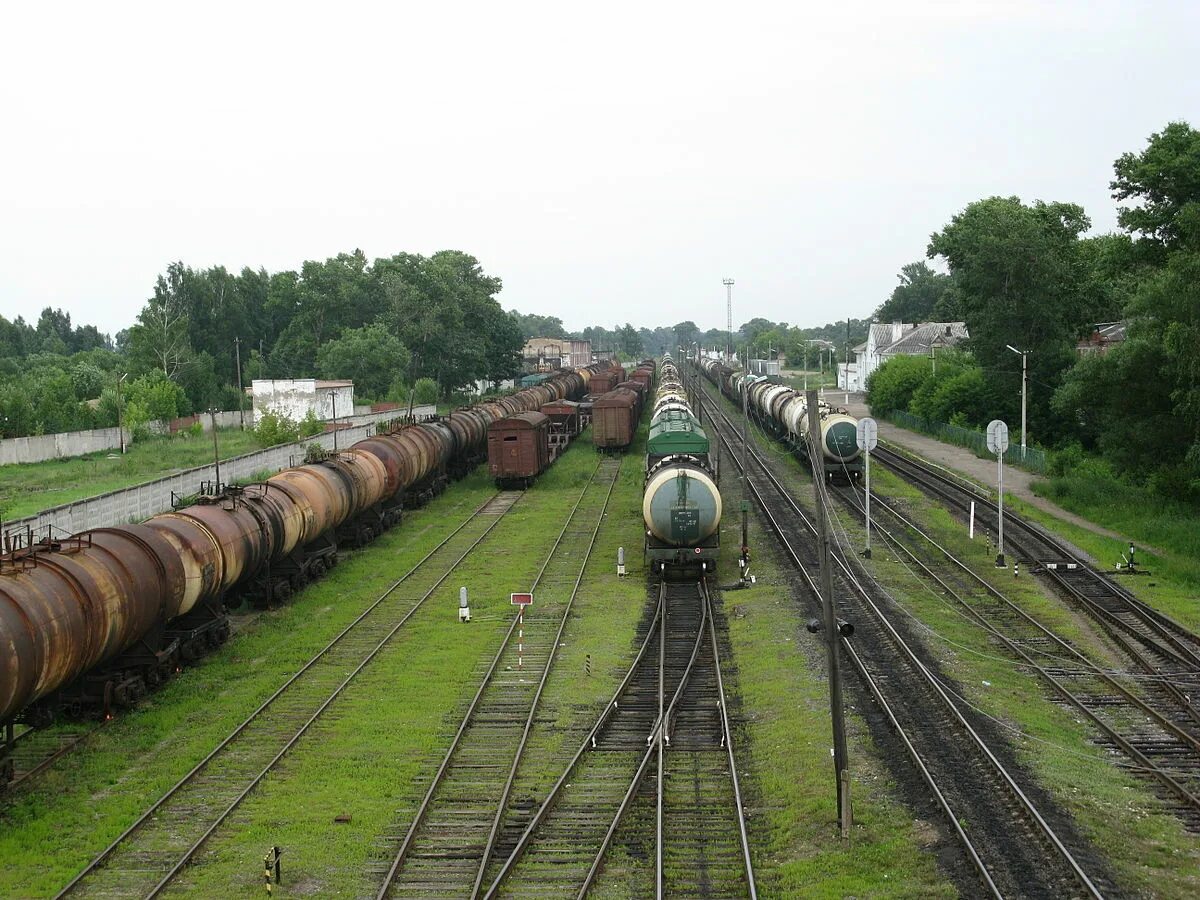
<point x="614" y="420"/>
<point x="602" y="383"/>
<point x="519" y="448"/>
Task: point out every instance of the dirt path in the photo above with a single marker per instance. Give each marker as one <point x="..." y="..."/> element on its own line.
<point x="1017" y="482"/>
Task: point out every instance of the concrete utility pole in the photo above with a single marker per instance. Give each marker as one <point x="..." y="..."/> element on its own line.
<point x="333" y="410"/>
<point x="846" y="363"/>
<point x="728" y="282"/>
<point x="120" y="425"/>
<point x="833" y="635"/>
<point x="1024" y="390"/>
<point x="212" y="414"/>
<point x="744" y="559"/>
<point x="237" y="349"/>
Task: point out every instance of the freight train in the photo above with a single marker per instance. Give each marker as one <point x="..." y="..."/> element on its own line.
<point x="617" y="406"/>
<point x="783" y="412"/>
<point x="92" y="621"/>
<point x="681" y="504"/>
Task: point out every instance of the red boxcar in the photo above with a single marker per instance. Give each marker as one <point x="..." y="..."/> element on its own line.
<point x="519" y="448"/>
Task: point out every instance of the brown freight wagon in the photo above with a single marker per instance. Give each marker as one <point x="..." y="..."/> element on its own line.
<point x="564" y="423"/>
<point x="614" y="420"/>
<point x="602" y="383"/>
<point x="519" y="448"/>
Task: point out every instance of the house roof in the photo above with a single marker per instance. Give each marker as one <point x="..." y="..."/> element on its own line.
<point x="923" y="337"/>
<point x="1109" y="331"/>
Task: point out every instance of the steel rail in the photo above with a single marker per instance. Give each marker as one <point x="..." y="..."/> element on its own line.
<point x="1049" y="677"/>
<point x="727" y="739"/>
<point x="503" y="802"/>
<point x="655" y="741"/>
<point x="406" y="845"/>
<point x="41" y="765"/>
<point x="1182" y="646"/>
<point x="981" y="746"/>
<point x="254" y="716"/>
<point x="589" y="743"/>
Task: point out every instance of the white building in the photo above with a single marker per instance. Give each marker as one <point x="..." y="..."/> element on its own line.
<point x="297" y="397"/>
<point x="897" y="339"/>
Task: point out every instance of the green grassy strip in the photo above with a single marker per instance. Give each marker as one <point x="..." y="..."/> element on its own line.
<point x="71" y="812"/>
<point x="372" y="760"/>
<point x="28" y="488"/>
<point x="785" y="701"/>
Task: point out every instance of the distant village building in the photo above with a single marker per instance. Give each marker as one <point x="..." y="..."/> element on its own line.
<point x="297" y="397"/>
<point x="548" y="354"/>
<point x="897" y="339"/>
<point x="1104" y="337"/>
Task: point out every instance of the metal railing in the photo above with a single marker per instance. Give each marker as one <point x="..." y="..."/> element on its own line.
<point x="1035" y="458"/>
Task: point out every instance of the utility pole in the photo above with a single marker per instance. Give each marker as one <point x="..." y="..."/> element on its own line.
<point x="333" y="410"/>
<point x="744" y="560"/>
<point x="846" y="362"/>
<point x="120" y="425"/>
<point x="212" y="413"/>
<point x="728" y="282"/>
<point x="237" y="349"/>
<point x="1024" y="390"/>
<point x="833" y="637"/>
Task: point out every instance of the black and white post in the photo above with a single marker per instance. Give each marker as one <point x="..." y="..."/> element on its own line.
<point x="997" y="441"/>
<point x="868" y="438"/>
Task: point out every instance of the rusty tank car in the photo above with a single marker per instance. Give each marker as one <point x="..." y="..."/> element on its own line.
<point x="92" y="621"/>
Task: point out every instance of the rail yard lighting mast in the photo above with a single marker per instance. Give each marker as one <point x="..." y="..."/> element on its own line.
<point x="1024" y="354"/>
<point x="728" y="282"/>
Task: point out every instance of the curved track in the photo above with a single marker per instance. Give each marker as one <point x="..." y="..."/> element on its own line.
<point x="450" y="837"/>
<point x="668" y="715"/>
<point x="149" y="854"/>
<point x="1006" y="836"/>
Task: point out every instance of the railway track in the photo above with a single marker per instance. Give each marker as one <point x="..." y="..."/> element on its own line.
<point x="448" y="840"/>
<point x="1136" y="716"/>
<point x="36" y="749"/>
<point x="1158" y="644"/>
<point x="1005" y="833"/>
<point x="668" y="717"/>
<point x="150" y="853"/>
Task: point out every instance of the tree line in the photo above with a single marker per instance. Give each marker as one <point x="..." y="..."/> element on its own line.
<point x="386" y="324"/>
<point x="1024" y="277"/>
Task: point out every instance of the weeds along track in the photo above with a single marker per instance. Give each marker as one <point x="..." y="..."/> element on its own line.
<point x="149" y="854"/>
<point x="1136" y="715"/>
<point x="35" y="749"/>
<point x="443" y="849"/>
<point x="1155" y="642"/>
<point x="1005" y="831"/>
<point x="681" y="833"/>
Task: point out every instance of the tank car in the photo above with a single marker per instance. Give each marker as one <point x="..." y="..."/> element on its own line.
<point x="92" y="621"/>
<point x="681" y="503"/>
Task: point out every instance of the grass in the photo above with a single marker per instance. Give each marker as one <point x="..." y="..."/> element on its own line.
<point x="785" y="702"/>
<point x="29" y="488"/>
<point x="70" y="813"/>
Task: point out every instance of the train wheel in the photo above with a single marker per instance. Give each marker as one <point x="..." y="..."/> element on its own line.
<point x="333" y="560"/>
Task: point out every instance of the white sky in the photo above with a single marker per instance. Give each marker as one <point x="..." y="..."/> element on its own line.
<point x="610" y="161"/>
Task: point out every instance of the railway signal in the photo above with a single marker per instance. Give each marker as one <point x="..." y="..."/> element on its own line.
<point x="997" y="442"/>
<point x="867" y="437"/>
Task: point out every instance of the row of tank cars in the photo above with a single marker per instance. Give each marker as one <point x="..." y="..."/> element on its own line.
<point x="681" y="504"/>
<point x="89" y="623"/>
<point x="783" y="412"/>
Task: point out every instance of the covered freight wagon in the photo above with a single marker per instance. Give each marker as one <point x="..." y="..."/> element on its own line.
<point x="614" y="420"/>
<point x="519" y="448"/>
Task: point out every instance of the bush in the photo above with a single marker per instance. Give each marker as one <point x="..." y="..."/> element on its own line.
<point x="276" y="428"/>
<point x="893" y="384"/>
<point x="311" y="425"/>
<point x="426" y="391"/>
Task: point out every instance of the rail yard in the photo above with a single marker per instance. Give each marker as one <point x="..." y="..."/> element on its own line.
<point x="535" y="648"/>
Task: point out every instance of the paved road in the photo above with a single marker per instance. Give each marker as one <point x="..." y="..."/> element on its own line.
<point x="1016" y="481"/>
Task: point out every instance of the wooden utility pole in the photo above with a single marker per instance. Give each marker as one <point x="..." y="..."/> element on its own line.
<point x="833" y="638"/>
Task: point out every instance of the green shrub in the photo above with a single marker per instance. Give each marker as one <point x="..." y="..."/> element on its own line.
<point x="426" y="391"/>
<point x="311" y="425"/>
<point x="276" y="428"/>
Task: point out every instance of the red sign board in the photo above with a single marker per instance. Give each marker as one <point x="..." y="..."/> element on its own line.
<point x="520" y="599"/>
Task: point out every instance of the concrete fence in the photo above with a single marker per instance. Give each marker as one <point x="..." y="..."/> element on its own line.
<point x="141" y="501"/>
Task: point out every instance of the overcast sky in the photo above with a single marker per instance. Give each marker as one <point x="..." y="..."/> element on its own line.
<point x="608" y="161"/>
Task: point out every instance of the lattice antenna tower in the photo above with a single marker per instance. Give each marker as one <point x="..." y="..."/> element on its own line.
<point x="728" y="282"/>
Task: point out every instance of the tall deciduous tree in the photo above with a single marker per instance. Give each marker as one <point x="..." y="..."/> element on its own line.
<point x="922" y="295"/>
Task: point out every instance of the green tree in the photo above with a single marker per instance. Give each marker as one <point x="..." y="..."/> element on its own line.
<point x="370" y="356"/>
<point x="922" y="295"/>
<point x="894" y="384"/>
<point x="629" y="342"/>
